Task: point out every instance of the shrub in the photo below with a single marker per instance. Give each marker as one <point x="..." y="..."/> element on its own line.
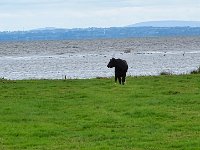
<point x="196" y="71"/>
<point x="165" y="73"/>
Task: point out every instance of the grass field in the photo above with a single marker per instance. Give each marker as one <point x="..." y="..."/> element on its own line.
<point x="161" y="112"/>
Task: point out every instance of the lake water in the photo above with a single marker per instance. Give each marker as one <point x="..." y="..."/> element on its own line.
<point x="89" y="58"/>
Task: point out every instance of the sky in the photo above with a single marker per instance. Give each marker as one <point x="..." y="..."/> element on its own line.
<point x="32" y="14"/>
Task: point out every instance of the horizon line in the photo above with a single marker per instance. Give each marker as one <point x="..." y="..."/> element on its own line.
<point x="130" y="25"/>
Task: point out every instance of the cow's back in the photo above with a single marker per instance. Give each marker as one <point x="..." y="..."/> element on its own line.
<point x="122" y="65"/>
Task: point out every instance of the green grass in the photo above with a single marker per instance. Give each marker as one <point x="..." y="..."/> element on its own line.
<point x="160" y="112"/>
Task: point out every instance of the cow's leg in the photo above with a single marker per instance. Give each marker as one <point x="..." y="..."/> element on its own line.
<point x="123" y="79"/>
<point x="115" y="79"/>
<point x="120" y="80"/>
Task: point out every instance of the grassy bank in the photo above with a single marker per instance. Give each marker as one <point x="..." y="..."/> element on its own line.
<point x="147" y="113"/>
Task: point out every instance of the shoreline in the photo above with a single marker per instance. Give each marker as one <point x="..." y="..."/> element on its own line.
<point x="89" y="58"/>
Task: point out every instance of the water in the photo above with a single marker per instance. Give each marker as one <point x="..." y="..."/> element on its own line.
<point x="89" y="58"/>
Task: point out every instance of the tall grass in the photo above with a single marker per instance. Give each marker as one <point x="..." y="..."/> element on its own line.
<point x="147" y="113"/>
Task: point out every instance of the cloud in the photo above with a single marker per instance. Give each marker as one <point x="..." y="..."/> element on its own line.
<point x="30" y="2"/>
<point x="127" y="3"/>
<point x="86" y="13"/>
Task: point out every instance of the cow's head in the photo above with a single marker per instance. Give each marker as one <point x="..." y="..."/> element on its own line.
<point x="112" y="63"/>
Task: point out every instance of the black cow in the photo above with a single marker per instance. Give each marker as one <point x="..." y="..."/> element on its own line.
<point x="121" y="68"/>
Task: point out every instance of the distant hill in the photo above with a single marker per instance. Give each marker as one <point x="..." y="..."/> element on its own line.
<point x="167" y="24"/>
<point x="97" y="33"/>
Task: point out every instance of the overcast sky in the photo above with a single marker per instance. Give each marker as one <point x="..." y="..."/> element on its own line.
<point x="30" y="14"/>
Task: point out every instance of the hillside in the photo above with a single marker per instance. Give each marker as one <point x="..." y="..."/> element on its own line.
<point x="167" y="24"/>
<point x="96" y="33"/>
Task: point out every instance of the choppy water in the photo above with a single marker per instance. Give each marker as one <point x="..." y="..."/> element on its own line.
<point x="89" y="58"/>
